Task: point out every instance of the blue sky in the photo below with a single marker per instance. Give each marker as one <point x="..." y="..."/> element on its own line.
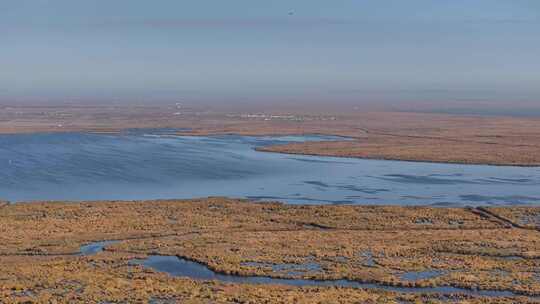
<point x="484" y="51"/>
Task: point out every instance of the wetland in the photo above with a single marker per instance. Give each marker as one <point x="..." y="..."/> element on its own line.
<point x="220" y="250"/>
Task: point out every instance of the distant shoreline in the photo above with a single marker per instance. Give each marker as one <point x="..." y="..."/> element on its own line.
<point x="402" y="136"/>
<point x="285" y="148"/>
<point x="276" y="149"/>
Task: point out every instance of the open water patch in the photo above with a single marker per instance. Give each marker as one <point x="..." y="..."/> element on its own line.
<point x="425" y="180"/>
<point x="157" y="164"/>
<point x="95" y="247"/>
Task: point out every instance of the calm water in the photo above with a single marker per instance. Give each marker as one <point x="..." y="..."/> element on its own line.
<point x="135" y="165"/>
<point x="184" y="268"/>
<point x="95" y="247"/>
<point x="180" y="267"/>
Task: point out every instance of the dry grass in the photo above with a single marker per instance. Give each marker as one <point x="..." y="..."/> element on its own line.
<point x="379" y="135"/>
<point x="365" y="243"/>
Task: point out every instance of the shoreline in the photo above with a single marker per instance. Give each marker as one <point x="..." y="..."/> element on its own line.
<point x="264" y="149"/>
<point x="7" y="203"/>
<point x="277" y="148"/>
<point x="383" y="135"/>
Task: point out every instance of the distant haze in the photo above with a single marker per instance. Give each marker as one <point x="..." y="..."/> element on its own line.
<point x="457" y="55"/>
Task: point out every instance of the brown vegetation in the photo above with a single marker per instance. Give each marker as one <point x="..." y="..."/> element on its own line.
<point x="379" y="135"/>
<point x="40" y="241"/>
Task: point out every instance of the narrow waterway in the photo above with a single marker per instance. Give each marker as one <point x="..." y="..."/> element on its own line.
<point x="181" y="267"/>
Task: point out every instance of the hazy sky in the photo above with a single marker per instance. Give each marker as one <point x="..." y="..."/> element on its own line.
<point x="436" y="50"/>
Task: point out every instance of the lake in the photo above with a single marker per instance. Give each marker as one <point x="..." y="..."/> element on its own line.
<point x="140" y="165"/>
